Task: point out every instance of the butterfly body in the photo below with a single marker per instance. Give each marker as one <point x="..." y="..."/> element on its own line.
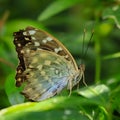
<point x="46" y="66"/>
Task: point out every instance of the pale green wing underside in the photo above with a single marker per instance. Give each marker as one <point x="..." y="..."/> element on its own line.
<point x="46" y="74"/>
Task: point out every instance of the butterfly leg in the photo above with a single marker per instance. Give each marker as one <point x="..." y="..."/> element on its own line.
<point x="70" y="86"/>
<point x="83" y="77"/>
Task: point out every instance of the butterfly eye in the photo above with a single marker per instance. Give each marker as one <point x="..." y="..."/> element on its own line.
<point x="82" y="67"/>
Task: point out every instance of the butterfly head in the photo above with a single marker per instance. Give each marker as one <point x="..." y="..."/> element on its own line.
<point x="82" y="67"/>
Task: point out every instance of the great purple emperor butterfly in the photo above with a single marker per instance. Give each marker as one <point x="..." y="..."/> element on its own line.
<point x="45" y="65"/>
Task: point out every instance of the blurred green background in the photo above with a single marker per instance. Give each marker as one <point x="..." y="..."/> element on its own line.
<point x="66" y="20"/>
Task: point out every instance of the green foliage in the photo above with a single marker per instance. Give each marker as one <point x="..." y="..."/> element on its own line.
<point x="65" y="20"/>
<point x="112" y="13"/>
<point x="12" y="91"/>
<point x="63" y="106"/>
<point x="56" y="7"/>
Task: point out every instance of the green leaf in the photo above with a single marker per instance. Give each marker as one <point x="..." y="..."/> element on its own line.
<point x="112" y="13"/>
<point x="57" y="7"/>
<point x="53" y="109"/>
<point x="112" y="56"/>
<point x="62" y="107"/>
<point x="12" y="92"/>
<point x="98" y="94"/>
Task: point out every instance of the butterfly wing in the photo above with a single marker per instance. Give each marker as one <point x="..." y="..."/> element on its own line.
<point x="48" y="42"/>
<point x="34" y="39"/>
<point x="45" y="66"/>
<point x="46" y="74"/>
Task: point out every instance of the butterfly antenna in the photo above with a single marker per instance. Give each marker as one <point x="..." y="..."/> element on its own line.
<point x="84" y="54"/>
<point x="83" y="45"/>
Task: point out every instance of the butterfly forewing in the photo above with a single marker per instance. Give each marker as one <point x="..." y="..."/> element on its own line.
<point x="46" y="66"/>
<point x="43" y="40"/>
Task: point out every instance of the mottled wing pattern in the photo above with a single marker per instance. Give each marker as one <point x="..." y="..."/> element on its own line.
<point x="46" y="74"/>
<point x="46" y="66"/>
<point x="34" y="39"/>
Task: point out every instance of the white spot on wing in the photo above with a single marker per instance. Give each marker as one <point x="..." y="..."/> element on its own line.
<point x="44" y="41"/>
<point x="49" y="39"/>
<point x="39" y="49"/>
<point x="19" y="71"/>
<point x="22" y="51"/>
<point x="27" y="51"/>
<point x="39" y="67"/>
<point x="37" y="43"/>
<point x="47" y="62"/>
<point x="42" y="73"/>
<point x="33" y="38"/>
<point x="19" y="45"/>
<point x="32" y="32"/>
<point x="30" y="66"/>
<point x="26" y="38"/>
<point x="19" y="79"/>
<point x="24" y="33"/>
<point x="66" y="56"/>
<point x="58" y="49"/>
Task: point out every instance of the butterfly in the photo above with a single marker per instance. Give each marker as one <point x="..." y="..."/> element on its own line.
<point x="45" y="67"/>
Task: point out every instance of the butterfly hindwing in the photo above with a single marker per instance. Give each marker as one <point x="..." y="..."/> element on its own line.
<point x="46" y="74"/>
